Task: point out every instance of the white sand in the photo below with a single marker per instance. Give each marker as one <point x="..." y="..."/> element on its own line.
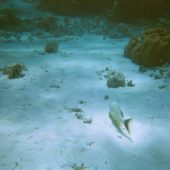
<point x="38" y="133"/>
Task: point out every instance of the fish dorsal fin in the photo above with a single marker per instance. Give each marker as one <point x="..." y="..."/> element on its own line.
<point x="122" y="114"/>
<point x="127" y="124"/>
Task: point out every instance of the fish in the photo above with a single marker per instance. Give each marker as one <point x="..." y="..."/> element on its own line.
<point x="117" y="117"/>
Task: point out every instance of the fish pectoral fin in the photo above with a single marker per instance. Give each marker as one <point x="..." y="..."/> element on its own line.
<point x="127" y="124"/>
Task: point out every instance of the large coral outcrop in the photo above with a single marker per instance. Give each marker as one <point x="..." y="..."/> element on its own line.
<point x="134" y="10"/>
<point x="151" y="49"/>
<point x="76" y="7"/>
<point x="119" y="10"/>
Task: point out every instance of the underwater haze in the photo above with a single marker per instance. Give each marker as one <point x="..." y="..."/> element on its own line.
<point x="84" y="85"/>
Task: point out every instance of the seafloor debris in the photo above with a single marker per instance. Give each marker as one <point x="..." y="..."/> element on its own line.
<point x="79" y="114"/>
<point x="82" y="102"/>
<point x="162" y="72"/>
<point x="73" y="109"/>
<point x="106" y="97"/>
<point x="81" y="167"/>
<point x="76" y="109"/>
<point x="74" y="166"/>
<point x="87" y="120"/>
<point x="142" y="69"/>
<point x="163" y="86"/>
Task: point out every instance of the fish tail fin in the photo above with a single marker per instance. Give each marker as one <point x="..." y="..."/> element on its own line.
<point x="127" y="124"/>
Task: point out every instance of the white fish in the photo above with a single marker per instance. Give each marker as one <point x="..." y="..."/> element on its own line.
<point x="117" y="118"/>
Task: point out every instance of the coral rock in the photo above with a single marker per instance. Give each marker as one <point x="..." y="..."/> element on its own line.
<point x="151" y="49"/>
<point x="51" y="47"/>
<point x="14" y="71"/>
<point x="116" y="80"/>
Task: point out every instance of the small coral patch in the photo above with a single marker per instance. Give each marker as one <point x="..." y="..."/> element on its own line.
<point x="14" y="71"/>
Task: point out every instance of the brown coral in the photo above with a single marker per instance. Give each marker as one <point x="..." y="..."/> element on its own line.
<point x="14" y="71"/>
<point x="51" y="47"/>
<point x="151" y="49"/>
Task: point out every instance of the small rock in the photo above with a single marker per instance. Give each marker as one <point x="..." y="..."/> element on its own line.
<point x="90" y="143"/>
<point x="76" y="110"/>
<point x="51" y="47"/>
<point x="168" y="74"/>
<point x="161" y="72"/>
<point x="106" y="69"/>
<point x="157" y="76"/>
<point x="82" y="101"/>
<point x="79" y="116"/>
<point x="151" y="75"/>
<point x="16" y="164"/>
<point x="55" y="86"/>
<point x="130" y="83"/>
<point x="142" y="69"/>
<point x="87" y="121"/>
<point x="162" y="86"/>
<point x="106" y="97"/>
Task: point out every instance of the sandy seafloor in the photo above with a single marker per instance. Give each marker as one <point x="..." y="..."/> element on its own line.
<point x="37" y="132"/>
